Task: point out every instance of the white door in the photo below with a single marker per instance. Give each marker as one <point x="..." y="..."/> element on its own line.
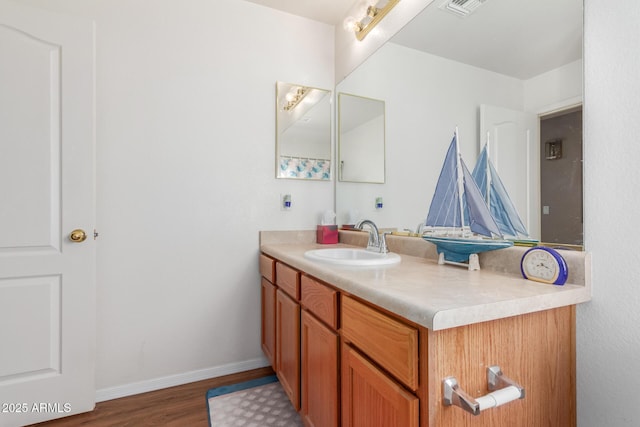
<point x="47" y="282"/>
<point x="514" y="151"/>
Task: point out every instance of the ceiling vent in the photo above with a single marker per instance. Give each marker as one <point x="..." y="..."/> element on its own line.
<point x="461" y="7"/>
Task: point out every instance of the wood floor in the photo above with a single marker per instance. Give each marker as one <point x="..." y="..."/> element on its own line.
<point x="179" y="406"/>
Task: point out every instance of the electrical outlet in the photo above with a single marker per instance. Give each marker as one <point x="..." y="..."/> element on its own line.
<point x="379" y="203"/>
<point x="285" y="202"/>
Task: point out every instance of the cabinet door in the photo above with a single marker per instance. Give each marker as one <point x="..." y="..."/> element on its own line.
<point x="319" y="373"/>
<point x="268" y="334"/>
<point x="370" y="398"/>
<point x="288" y="346"/>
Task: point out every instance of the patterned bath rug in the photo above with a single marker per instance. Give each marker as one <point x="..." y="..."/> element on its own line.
<point x="257" y="403"/>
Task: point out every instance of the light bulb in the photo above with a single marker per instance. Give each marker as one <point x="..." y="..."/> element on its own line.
<point x="350" y="24"/>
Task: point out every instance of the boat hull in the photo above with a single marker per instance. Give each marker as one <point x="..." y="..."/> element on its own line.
<point x="457" y="249"/>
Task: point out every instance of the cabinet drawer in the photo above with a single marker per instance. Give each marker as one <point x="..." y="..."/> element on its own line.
<point x="320" y="299"/>
<point x="288" y="280"/>
<point x="268" y="268"/>
<point x="389" y="342"/>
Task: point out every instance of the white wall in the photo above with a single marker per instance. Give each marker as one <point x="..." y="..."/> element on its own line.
<point x="426" y="97"/>
<point x="362" y="152"/>
<point x="351" y="52"/>
<point x="555" y="89"/>
<point x="185" y="177"/>
<point x="608" y="336"/>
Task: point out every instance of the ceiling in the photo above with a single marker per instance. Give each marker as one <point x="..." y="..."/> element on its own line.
<point x="330" y="12"/>
<point x="518" y="38"/>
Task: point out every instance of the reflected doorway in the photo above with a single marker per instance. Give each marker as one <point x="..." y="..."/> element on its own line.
<point x="561" y="177"/>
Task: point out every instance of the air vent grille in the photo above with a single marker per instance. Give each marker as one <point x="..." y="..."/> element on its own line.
<point x="461" y="7"/>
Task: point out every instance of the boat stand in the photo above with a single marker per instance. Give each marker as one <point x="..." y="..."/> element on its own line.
<point x="473" y="263"/>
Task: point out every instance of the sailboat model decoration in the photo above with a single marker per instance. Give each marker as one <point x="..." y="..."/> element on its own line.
<point x="496" y="197"/>
<point x="461" y="223"/>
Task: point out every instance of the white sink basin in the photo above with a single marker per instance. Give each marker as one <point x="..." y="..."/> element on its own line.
<point x="352" y="257"/>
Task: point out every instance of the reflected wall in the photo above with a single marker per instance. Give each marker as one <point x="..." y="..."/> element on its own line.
<point x="426" y="97"/>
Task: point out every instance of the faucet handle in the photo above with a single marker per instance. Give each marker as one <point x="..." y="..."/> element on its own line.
<point x="383" y="242"/>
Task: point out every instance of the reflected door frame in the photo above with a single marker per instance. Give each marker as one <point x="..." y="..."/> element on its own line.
<point x="563" y="185"/>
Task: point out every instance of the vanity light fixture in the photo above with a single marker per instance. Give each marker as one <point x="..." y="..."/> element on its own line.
<point x="374" y="15"/>
<point x="294" y="97"/>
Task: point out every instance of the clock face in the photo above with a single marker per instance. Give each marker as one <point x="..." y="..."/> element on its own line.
<point x="544" y="265"/>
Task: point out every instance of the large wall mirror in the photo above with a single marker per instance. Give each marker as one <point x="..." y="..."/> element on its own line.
<point x="360" y="139"/>
<point x="303" y="132"/>
<point x="445" y="70"/>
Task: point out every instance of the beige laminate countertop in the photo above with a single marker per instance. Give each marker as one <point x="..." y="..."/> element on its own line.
<point x="439" y="296"/>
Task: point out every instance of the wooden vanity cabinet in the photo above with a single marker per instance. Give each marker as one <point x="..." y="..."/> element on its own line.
<point x="280" y="329"/>
<point x="537" y="350"/>
<point x="398" y="368"/>
<point x="320" y="354"/>
<point x="346" y="362"/>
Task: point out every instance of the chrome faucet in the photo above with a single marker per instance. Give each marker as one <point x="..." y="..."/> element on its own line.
<point x="377" y="242"/>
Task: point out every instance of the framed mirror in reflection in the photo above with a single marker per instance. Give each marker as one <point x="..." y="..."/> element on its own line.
<point x="438" y="71"/>
<point x="303" y="132"/>
<point x="361" y="139"/>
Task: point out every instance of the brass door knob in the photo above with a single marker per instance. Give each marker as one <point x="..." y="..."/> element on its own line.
<point x="78" y="236"/>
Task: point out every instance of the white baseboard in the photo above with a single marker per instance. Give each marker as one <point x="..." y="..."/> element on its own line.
<point x="178" y="379"/>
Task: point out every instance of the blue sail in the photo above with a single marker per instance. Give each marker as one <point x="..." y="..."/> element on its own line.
<point x="480" y="219"/>
<point x="445" y="205"/>
<point x="502" y="208"/>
